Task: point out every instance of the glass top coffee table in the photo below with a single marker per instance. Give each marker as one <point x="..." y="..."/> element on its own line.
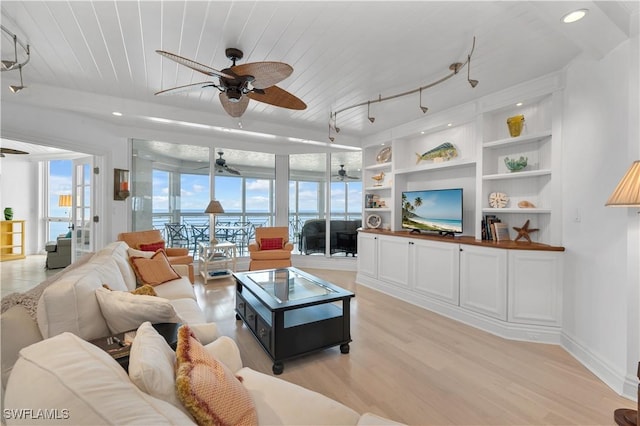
<point x="293" y="313"/>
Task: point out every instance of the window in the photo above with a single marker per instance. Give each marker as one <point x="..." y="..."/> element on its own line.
<point x="59" y="184"/>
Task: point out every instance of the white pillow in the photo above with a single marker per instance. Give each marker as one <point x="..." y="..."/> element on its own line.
<point x="82" y="385"/>
<point x="152" y="365"/>
<point x="139" y="253"/>
<point x="124" y="311"/>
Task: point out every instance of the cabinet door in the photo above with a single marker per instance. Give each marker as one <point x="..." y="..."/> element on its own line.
<point x="368" y="254"/>
<point x="483" y="280"/>
<point x="393" y="260"/>
<point x="535" y="287"/>
<point x="436" y="269"/>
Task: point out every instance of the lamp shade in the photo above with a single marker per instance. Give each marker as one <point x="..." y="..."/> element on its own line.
<point x="214" y="207"/>
<point x="627" y="193"/>
<point x="64" y="200"/>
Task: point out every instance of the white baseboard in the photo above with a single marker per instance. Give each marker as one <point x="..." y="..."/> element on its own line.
<point x="625" y="386"/>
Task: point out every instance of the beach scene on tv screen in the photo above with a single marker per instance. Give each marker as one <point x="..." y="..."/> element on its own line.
<point x="439" y="211"/>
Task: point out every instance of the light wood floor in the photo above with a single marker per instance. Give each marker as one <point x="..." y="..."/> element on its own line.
<point x="417" y="367"/>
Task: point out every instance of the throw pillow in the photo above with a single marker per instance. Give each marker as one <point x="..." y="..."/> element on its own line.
<point x="207" y="388"/>
<point x="155" y="270"/>
<point x="151" y="246"/>
<point x="152" y="365"/>
<point x="145" y="290"/>
<point x="131" y="252"/>
<point x="124" y="311"/>
<point x="271" y="244"/>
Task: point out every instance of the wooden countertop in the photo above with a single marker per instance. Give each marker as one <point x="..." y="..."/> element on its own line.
<point x="463" y="239"/>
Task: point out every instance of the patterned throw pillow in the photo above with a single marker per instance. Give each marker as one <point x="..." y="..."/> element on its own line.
<point x="207" y="388"/>
<point x="145" y="290"/>
<point x="271" y="244"/>
<point x="154" y="270"/>
<point x="151" y="246"/>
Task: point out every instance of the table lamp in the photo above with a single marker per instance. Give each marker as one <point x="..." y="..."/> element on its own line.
<point x="213" y="209"/>
<point x="627" y="194"/>
<point x="65" y="201"/>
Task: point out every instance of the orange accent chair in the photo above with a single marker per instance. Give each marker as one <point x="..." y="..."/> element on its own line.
<point x="271" y="248"/>
<point x="176" y="255"/>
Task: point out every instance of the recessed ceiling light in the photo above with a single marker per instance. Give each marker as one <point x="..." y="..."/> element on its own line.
<point x="422" y="132"/>
<point x="574" y="16"/>
<point x="519" y="104"/>
<point x="117" y="114"/>
<point x="449" y="124"/>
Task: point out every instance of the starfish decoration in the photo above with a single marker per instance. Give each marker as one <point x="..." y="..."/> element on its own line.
<point x="524" y="231"/>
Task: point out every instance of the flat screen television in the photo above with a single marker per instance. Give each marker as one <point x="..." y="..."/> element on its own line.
<point x="435" y="210"/>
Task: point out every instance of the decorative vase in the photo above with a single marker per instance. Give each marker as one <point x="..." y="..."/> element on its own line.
<point x="515" y="124"/>
<point x="8" y="213"/>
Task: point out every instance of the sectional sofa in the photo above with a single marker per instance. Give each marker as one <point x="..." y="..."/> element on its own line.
<point x="52" y="374"/>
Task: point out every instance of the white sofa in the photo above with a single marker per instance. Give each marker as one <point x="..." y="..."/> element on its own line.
<point x="82" y="385"/>
<point x="68" y="303"/>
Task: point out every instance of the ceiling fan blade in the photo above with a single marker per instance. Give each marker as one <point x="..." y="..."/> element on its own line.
<point x="186" y="88"/>
<point x="274" y="95"/>
<point x="11" y="151"/>
<point x="232" y="170"/>
<point x="193" y="64"/>
<point x="266" y="74"/>
<point x="234" y="109"/>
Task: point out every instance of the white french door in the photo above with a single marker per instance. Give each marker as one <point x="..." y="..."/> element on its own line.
<point x="84" y="227"/>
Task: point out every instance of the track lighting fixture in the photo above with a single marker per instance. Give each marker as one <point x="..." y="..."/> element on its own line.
<point x="9" y="65"/>
<point x="371" y="119"/>
<point x="423" y="108"/>
<point x="16" y="89"/>
<point x="454" y="68"/>
<point x="473" y="83"/>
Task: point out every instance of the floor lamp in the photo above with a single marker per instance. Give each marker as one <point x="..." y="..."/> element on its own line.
<point x="627" y="194"/>
<point x="213" y="209"/>
<point x="65" y="201"/>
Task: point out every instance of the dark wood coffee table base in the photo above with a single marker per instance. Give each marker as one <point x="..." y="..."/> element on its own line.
<point x="296" y="328"/>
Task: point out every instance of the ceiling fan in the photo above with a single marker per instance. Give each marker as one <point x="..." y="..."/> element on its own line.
<point x="342" y="174"/>
<point x="4" y="151"/>
<point x="240" y="83"/>
<point x="222" y="166"/>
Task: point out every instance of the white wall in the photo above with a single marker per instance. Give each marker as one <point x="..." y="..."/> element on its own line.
<point x="17" y="178"/>
<point x="598" y="123"/>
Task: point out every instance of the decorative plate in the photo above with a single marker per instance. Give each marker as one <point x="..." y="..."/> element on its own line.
<point x="498" y="200"/>
<point x="373" y="221"/>
<point x="384" y="156"/>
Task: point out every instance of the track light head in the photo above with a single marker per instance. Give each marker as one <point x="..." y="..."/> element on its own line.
<point x="424" y="109"/>
<point x="372" y="119"/>
<point x="337" y="129"/>
<point x="473" y="83"/>
<point x="8" y="65"/>
<point x="331" y="138"/>
<point x="16" y="89"/>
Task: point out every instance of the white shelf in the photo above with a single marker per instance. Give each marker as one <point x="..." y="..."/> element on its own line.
<point x="377" y="188"/>
<point x="379" y="166"/>
<point x="516" y="210"/>
<point x="451" y="164"/>
<point x="518" y="175"/>
<point x="534" y="137"/>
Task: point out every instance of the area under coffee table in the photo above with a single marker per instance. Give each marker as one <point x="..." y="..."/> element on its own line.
<point x="292" y="313"/>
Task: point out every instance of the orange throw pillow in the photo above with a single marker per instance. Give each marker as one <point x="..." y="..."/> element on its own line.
<point x="154" y="270"/>
<point x="207" y="388"/>
<point x="271" y="244"/>
<point x="151" y="246"/>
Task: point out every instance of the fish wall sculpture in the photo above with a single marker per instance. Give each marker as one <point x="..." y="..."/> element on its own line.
<point x="442" y="152"/>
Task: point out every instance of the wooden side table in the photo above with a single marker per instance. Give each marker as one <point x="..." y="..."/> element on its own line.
<point x="119" y="345"/>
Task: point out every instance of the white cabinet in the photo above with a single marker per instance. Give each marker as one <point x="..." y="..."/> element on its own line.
<point x="483" y="280"/>
<point x="368" y="254"/>
<point x="393" y="260"/>
<point x="535" y="293"/>
<point x="435" y="269"/>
